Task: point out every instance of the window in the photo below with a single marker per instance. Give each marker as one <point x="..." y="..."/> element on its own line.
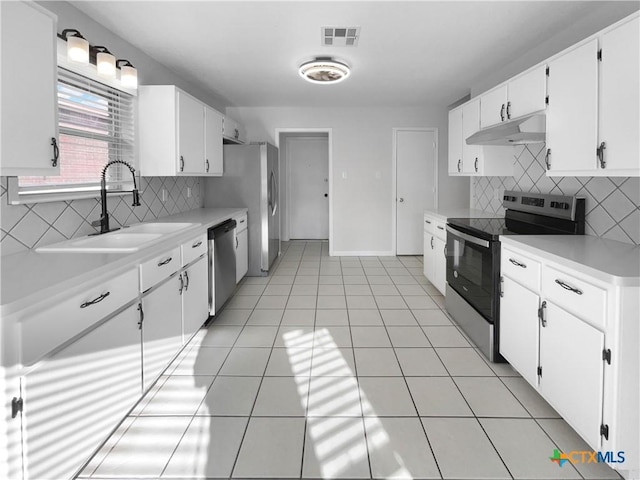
<point x="96" y="124"/>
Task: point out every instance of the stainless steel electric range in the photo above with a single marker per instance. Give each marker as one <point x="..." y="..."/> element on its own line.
<point x="473" y="258"/>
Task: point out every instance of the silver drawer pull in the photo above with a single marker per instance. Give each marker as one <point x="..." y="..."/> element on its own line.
<point x="568" y="287"/>
<point x="242" y="221"/>
<point x="428" y="221"/>
<point x="517" y="263"/>
<point x="164" y="262"/>
<point x="95" y="300"/>
<point x="440" y="228"/>
<point x="196" y="245"/>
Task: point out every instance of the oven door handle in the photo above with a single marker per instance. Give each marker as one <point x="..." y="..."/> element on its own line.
<point x="468" y="238"/>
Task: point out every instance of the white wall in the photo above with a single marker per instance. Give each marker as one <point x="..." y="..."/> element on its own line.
<point x="362" y="146"/>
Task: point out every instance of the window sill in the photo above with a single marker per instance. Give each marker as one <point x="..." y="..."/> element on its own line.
<point x="15" y="197"/>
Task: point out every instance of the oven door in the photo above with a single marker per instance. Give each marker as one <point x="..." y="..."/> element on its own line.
<point x="473" y="270"/>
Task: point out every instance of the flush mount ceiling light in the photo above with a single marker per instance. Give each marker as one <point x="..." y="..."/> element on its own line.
<point x="324" y="70"/>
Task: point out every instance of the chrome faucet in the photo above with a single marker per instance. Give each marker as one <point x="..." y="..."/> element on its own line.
<point x="103" y="221"/>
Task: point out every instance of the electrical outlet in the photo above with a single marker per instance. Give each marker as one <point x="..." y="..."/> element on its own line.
<point x="188" y="192"/>
<point x="163" y="195"/>
<point x="497" y="194"/>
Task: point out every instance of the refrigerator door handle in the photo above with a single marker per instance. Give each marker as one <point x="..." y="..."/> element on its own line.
<point x="273" y="194"/>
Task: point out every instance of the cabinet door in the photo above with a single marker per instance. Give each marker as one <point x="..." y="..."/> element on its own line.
<point x="471" y="154"/>
<point x="161" y="328"/>
<point x="429" y="257"/>
<point x="242" y="254"/>
<point x="439" y="264"/>
<point x="190" y="135"/>
<point x="519" y="329"/>
<point x="195" y="298"/>
<point x="74" y="399"/>
<point x="527" y="93"/>
<point x="572" y="111"/>
<point x="619" y="98"/>
<point x="455" y="141"/>
<point x="493" y="106"/>
<point x="29" y="90"/>
<point x="213" y="164"/>
<point x="572" y="371"/>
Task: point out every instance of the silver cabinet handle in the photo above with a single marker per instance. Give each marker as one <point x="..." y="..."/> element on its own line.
<point x="566" y="286"/>
<point x="401" y="200"/>
<point x="445" y="250"/>
<point x="508" y="110"/>
<point x="207" y="164"/>
<point x="431" y="243"/>
<point x="428" y="221"/>
<point x="459" y="162"/>
<point x="181" y="285"/>
<point x="197" y="244"/>
<point x="165" y="261"/>
<point x="242" y="221"/>
<point x="440" y="228"/>
<point x="600" y="153"/>
<point x="502" y="110"/>
<point x="95" y="300"/>
<point x="186" y="280"/>
<point x="181" y="163"/>
<point x="475" y="164"/>
<point x="237" y="243"/>
<point x="517" y="263"/>
<point x="541" y="316"/>
<point x="547" y="161"/>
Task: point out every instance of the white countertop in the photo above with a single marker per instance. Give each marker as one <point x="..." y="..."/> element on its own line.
<point x="608" y="260"/>
<point x="445" y="213"/>
<point x="30" y="277"/>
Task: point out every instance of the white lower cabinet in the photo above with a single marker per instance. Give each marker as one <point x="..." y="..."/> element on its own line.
<point x="76" y="397"/>
<point x="161" y="328"/>
<point x="572" y="370"/>
<point x="519" y="328"/>
<point x="435" y="255"/>
<point x="195" y="299"/>
<point x="573" y="337"/>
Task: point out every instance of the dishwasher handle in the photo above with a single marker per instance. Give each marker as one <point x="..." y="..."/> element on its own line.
<point x="221" y="229"/>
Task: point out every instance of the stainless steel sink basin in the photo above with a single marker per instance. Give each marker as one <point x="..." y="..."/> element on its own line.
<point x="129" y="239"/>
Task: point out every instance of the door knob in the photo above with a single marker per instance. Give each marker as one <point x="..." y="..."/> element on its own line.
<point x="326" y="194"/>
<point x="401" y="200"/>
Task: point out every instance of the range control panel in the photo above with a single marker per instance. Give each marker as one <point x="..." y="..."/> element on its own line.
<point x="560" y="206"/>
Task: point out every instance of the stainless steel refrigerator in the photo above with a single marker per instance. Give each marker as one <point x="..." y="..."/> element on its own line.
<point x="250" y="179"/>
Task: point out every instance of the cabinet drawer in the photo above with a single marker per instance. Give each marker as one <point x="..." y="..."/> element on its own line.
<point x="429" y="225"/>
<point x="194" y="248"/>
<point x="439" y="230"/>
<point x="157" y="269"/>
<point x="241" y="223"/>
<point x="525" y="271"/>
<point x="581" y="298"/>
<point x="50" y="328"/>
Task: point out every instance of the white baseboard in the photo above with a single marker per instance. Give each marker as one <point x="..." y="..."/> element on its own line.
<point x="361" y="254"/>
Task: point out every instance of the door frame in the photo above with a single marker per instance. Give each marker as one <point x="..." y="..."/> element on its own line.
<point x="394" y="177"/>
<point x="329" y="132"/>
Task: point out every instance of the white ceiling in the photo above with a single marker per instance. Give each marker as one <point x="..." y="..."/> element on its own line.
<point x="409" y="53"/>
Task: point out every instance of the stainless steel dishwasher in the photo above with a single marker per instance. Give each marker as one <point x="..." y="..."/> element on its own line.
<point x="222" y="264"/>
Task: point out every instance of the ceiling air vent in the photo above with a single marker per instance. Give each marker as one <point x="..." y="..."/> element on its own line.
<point x="340" y="36"/>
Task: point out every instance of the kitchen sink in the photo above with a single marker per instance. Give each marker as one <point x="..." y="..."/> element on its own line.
<point x="129" y="239"/>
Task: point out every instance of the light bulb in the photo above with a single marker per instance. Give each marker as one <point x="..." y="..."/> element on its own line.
<point x="129" y="76"/>
<point x="106" y="64"/>
<point x="78" y="49"/>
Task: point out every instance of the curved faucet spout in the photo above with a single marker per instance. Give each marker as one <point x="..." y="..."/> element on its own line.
<point x="104" y="217"/>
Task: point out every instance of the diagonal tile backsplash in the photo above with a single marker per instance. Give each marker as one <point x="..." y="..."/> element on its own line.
<point x="28" y="226"/>
<point x="612" y="203"/>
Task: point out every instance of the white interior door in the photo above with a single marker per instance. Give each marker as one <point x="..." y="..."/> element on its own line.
<point x="308" y="187"/>
<point x="416" y="175"/>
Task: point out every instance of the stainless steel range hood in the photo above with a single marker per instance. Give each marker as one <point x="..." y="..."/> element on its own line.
<point x="526" y="129"/>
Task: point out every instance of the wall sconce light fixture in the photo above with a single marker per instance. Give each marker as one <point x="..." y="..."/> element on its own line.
<point x="105" y="61"/>
<point x="77" y="45"/>
<point x="128" y="73"/>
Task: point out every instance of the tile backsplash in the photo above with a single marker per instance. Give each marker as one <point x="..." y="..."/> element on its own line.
<point x="612" y="203"/>
<point x="29" y="226"/>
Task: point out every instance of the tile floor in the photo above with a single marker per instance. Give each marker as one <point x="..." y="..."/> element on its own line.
<point x="338" y="368"/>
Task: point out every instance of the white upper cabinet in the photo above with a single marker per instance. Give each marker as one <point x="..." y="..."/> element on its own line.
<point x="572" y="114"/>
<point x="190" y="134"/>
<point x="471" y="154"/>
<point x="179" y="135"/>
<point x="527" y="92"/>
<point x="455" y="140"/>
<point x="619" y="99"/>
<point x="493" y="106"/>
<point x="213" y="164"/>
<point x="29" y="76"/>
